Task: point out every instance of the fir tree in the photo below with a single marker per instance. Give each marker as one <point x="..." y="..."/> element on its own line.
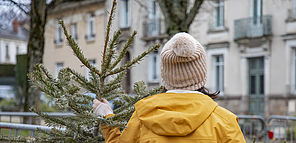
<point x="105" y="82"/>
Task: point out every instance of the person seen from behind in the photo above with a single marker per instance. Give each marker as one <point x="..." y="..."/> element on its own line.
<point x="186" y="112"/>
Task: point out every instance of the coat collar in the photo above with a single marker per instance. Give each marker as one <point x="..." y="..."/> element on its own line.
<point x="183" y="91"/>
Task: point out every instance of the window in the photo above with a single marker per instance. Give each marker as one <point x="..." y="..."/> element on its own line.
<point x="154" y="67"/>
<point x="59" y="66"/>
<point x="90" y="26"/>
<point x="219" y="13"/>
<point x="17" y="50"/>
<point x="124" y="14"/>
<point x="219" y="72"/>
<point x="153" y="19"/>
<point x="294" y="70"/>
<point x="58" y="34"/>
<point x="87" y="72"/>
<point x="7" y="53"/>
<point x="7" y="91"/>
<point x="257" y="11"/>
<point x="74" y="32"/>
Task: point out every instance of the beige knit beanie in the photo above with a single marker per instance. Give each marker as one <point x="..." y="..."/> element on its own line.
<point x="183" y="63"/>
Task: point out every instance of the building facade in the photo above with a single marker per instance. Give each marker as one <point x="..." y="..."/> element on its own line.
<point x="13" y="42"/>
<point x="85" y="21"/>
<point x="250" y="45"/>
<point x="250" y="48"/>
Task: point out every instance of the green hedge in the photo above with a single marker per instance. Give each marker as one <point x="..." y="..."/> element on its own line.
<point x="7" y="70"/>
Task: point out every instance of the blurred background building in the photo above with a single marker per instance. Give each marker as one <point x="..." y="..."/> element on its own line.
<point x="13" y="42"/>
<point x="85" y="21"/>
<point x="250" y="44"/>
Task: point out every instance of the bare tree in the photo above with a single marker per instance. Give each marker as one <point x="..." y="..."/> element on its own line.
<point x="178" y="14"/>
<point x="37" y="11"/>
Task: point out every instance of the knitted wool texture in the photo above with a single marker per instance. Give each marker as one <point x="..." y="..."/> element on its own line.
<point x="183" y="63"/>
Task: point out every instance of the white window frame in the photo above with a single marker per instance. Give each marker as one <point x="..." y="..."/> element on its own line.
<point x="125" y="14"/>
<point x="93" y="62"/>
<point x="58" y="67"/>
<point x="74" y="31"/>
<point x="154" y="67"/>
<point x="58" y="34"/>
<point x="245" y="70"/>
<point x="90" y="26"/>
<point x="211" y="75"/>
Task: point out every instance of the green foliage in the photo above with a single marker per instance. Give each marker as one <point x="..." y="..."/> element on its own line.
<point x="20" y="70"/>
<point x="7" y="102"/>
<point x="105" y="82"/>
<point x="7" y="69"/>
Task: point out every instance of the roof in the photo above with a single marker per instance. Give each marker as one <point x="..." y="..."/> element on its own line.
<point x="70" y="5"/>
<point x="8" y="33"/>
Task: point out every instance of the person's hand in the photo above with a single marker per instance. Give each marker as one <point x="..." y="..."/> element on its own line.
<point x="102" y="108"/>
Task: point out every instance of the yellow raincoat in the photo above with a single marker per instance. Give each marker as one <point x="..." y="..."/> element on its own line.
<point x="177" y="118"/>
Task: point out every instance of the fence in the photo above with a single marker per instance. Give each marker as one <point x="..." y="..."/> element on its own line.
<point x="273" y="129"/>
<point x="12" y="121"/>
<point x="253" y="127"/>
<point x="283" y="128"/>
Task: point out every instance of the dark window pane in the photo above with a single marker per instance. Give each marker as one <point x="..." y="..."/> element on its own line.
<point x="217" y="77"/>
<point x="261" y="84"/>
<point x="222" y="78"/>
<point x="91" y="27"/>
<point x="261" y="63"/>
<point x="218" y="14"/>
<point x="253" y="84"/>
<point x="154" y="67"/>
<point x="255" y="11"/>
<point x="252" y="64"/>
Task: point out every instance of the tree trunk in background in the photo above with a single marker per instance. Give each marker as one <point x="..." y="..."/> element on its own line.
<point x="38" y="16"/>
<point x="178" y="17"/>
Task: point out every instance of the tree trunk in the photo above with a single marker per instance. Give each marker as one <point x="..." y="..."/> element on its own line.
<point x="177" y="16"/>
<point x="35" y="47"/>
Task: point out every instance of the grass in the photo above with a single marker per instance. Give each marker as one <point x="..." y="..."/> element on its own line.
<point x="6" y="132"/>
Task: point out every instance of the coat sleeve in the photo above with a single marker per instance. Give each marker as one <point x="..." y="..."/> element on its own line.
<point x="233" y="133"/>
<point x="129" y="135"/>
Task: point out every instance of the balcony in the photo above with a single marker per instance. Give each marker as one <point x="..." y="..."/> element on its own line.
<point x="153" y="29"/>
<point x="292" y="14"/>
<point x="253" y="27"/>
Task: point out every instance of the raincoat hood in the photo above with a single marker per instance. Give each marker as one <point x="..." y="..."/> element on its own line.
<point x="174" y="114"/>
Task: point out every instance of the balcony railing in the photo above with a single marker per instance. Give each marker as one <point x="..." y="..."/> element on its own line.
<point x="153" y="27"/>
<point x="253" y="27"/>
<point x="292" y="14"/>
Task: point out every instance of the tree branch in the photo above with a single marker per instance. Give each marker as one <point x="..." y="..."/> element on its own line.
<point x="54" y="3"/>
<point x="19" y="5"/>
<point x="163" y="8"/>
<point x="141" y="4"/>
<point x="193" y="11"/>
